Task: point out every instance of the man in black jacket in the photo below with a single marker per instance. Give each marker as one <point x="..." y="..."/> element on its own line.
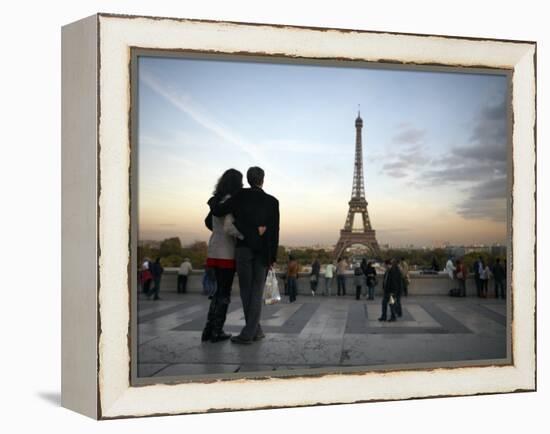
<point x="392" y="285"/>
<point x="256" y="253"/>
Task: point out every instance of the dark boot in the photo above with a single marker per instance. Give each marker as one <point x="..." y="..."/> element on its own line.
<point x="220" y="314"/>
<point x="207" y="331"/>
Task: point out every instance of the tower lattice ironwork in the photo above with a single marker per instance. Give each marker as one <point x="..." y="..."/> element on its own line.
<point x="365" y="235"/>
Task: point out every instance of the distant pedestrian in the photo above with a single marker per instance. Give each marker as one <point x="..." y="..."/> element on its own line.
<point x="461" y="275"/>
<point x="157" y="271"/>
<point x="146" y="276"/>
<point x="484" y="276"/>
<point x="398" y="294"/>
<point x="370" y="274"/>
<point x="314" y="276"/>
<point x="292" y="278"/>
<point x="183" y="274"/>
<point x="363" y="267"/>
<point x="450" y="271"/>
<point x="499" y="275"/>
<point x="329" y="276"/>
<point x="478" y="269"/>
<point x="392" y="286"/>
<point x="341" y="276"/>
<point x="358" y="281"/>
<point x="404" y="267"/>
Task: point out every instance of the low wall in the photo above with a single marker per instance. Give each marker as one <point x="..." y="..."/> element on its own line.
<point x="420" y="284"/>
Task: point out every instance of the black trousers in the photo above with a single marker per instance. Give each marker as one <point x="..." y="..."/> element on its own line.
<point x="219" y="302"/>
<point x="398" y="309"/>
<point x="156" y="287"/>
<point x="313" y="284"/>
<point x="478" y="285"/>
<point x="292" y="288"/>
<point x="385" y="302"/>
<point x="146" y="286"/>
<point x="462" y="287"/>
<point x="500" y="288"/>
<point x="182" y="283"/>
<point x="484" y="287"/>
<point x="224" y="282"/>
<point x="341" y="281"/>
<point x="252" y="274"/>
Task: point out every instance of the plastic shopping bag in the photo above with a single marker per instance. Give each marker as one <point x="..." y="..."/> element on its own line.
<point x="271" y="290"/>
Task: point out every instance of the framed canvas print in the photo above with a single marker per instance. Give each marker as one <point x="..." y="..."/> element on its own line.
<point x="262" y="216"/>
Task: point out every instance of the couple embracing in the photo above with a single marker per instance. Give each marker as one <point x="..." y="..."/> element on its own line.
<point x="245" y="238"/>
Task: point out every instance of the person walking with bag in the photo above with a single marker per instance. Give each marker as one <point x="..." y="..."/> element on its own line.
<point x="252" y="209"/>
<point x="392" y="286"/>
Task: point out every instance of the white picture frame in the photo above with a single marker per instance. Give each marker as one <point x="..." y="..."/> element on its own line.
<point x="96" y="296"/>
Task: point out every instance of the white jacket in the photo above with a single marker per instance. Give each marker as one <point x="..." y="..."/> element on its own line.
<point x="450" y="269"/>
<point x="224" y="235"/>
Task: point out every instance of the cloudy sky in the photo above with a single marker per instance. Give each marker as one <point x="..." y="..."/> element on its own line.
<point x="434" y="147"/>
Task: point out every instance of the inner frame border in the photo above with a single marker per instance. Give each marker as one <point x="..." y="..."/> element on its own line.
<point x="252" y="57"/>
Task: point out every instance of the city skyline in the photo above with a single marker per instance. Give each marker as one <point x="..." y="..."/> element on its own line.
<point x="434" y="148"/>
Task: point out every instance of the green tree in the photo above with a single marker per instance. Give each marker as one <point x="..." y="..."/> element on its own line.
<point x="147" y="252"/>
<point x="172" y="261"/>
<point x="282" y="257"/>
<point x="196" y="252"/>
<point x="170" y="246"/>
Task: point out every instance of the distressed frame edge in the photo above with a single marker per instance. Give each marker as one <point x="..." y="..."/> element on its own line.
<point x="79" y="130"/>
<point x="528" y="388"/>
<point x="304" y="27"/>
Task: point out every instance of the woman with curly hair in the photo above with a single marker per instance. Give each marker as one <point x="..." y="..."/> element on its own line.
<point x="221" y="256"/>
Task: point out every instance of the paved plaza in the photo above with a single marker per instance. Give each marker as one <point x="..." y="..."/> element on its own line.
<point x="319" y="332"/>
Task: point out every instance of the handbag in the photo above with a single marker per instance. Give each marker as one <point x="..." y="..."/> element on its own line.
<point x="392" y="300"/>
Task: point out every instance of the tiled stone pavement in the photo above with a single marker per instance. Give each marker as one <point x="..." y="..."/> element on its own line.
<point x="318" y="332"/>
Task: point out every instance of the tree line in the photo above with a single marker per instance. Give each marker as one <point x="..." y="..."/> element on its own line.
<point x="172" y="254"/>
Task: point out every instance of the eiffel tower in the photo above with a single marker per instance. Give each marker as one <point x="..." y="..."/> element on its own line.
<point x="357" y="205"/>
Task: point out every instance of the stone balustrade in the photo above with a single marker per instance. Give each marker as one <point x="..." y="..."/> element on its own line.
<point x="420" y="284"/>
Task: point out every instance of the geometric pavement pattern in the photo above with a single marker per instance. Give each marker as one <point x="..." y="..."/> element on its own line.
<point x="169" y="333"/>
